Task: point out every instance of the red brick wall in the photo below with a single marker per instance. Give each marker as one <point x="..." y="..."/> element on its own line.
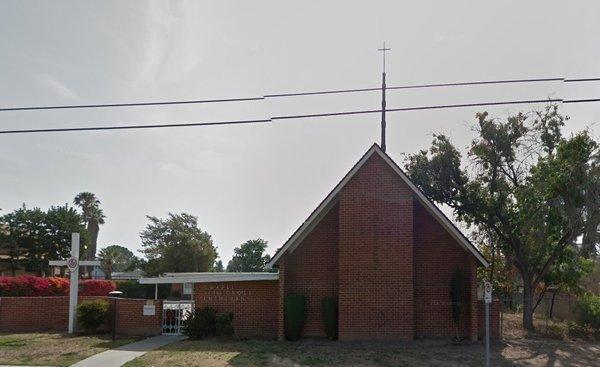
<point x="436" y="255"/>
<point x="254" y="304"/>
<point x="495" y="309"/>
<point x="131" y="319"/>
<point x="376" y="255"/>
<point x="312" y="270"/>
<point x="21" y="314"/>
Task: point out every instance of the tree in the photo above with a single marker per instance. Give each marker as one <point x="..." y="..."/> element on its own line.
<point x="177" y="244"/>
<point x="534" y="189"/>
<point x="93" y="215"/>
<point x="32" y="236"/>
<point x="218" y="267"/>
<point x="249" y="257"/>
<point x="117" y="258"/>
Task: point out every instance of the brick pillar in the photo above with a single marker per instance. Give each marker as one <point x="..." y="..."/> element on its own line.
<point x="473" y="300"/>
<point x="280" y="317"/>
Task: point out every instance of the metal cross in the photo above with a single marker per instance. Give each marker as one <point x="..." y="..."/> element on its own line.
<point x="384" y="50"/>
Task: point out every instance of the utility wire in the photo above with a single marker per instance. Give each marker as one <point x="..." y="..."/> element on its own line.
<point x="296" y="94"/>
<point x="289" y="117"/>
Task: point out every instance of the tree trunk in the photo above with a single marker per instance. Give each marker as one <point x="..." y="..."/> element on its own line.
<point x="527" y="304"/>
<point x="93" y="228"/>
<point x="552" y="303"/>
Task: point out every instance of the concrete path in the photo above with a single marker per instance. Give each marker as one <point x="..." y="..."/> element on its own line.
<point x="125" y="353"/>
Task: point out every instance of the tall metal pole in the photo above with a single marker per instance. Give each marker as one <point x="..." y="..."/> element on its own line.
<point x="383" y="112"/>
<point x="487" y="334"/>
<point x="383" y="124"/>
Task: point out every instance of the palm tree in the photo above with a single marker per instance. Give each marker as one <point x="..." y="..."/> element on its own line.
<point x="93" y="215"/>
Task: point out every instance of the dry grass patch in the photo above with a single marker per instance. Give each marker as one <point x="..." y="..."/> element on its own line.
<point x="53" y="349"/>
<point x="542" y="348"/>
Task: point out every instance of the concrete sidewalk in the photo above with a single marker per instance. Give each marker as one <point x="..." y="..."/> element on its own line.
<point x="125" y="353"/>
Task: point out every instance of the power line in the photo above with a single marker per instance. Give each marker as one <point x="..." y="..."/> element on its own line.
<point x="134" y="104"/>
<point x="290" y="117"/>
<point x="296" y="94"/>
<point x="131" y="127"/>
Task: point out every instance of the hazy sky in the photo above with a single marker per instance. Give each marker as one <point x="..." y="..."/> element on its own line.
<point x="254" y="181"/>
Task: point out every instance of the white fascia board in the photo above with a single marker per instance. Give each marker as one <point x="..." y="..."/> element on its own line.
<point x="210" y="278"/>
<point x="328" y="202"/>
<point x="320" y="212"/>
<point x="436" y="212"/>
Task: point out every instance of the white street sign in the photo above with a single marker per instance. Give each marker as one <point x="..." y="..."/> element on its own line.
<point x="72" y="263"/>
<point x="487" y="294"/>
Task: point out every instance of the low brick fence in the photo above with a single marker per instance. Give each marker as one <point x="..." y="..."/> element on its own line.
<point x="27" y="314"/>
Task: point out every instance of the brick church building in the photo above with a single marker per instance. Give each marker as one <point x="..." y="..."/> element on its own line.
<point x="378" y="246"/>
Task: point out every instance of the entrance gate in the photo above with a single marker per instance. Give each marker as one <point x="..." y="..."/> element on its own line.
<point x="174" y="315"/>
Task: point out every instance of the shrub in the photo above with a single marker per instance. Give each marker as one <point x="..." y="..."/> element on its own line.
<point x="92" y="314"/>
<point x="95" y="287"/>
<point x="225" y="325"/>
<point x="294" y="311"/>
<point x="200" y="323"/>
<point x="330" y="317"/>
<point x="588" y="311"/>
<point x="58" y="286"/>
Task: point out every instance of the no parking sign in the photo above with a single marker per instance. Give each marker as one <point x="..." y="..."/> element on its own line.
<point x="487" y="294"/>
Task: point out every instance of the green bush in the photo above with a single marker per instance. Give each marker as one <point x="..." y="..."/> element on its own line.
<point x="92" y="314"/>
<point x="225" y="325"/>
<point x="588" y="311"/>
<point x="294" y="311"/>
<point x="330" y="317"/>
<point x="200" y="323"/>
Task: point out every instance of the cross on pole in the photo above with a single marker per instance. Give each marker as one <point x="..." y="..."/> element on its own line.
<point x="73" y="264"/>
<point x="383" y="50"/>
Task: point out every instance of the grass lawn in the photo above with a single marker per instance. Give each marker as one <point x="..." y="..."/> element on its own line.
<point x="542" y="348"/>
<point x="53" y="349"/>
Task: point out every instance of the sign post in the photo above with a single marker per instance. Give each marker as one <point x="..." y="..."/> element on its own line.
<point x="73" y="264"/>
<point x="487" y="297"/>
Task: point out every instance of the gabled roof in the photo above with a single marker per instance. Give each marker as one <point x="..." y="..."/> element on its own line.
<point x="331" y="199"/>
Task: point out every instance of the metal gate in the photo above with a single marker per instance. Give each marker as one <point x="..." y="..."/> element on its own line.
<point x="174" y="315"/>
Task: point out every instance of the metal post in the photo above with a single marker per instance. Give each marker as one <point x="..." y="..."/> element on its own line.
<point x="114" y="326"/>
<point x="156" y="291"/>
<point x="487" y="334"/>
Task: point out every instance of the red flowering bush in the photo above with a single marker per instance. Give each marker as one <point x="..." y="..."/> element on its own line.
<point x="31" y="286"/>
<point x="93" y="287"/>
<point x="58" y="286"/>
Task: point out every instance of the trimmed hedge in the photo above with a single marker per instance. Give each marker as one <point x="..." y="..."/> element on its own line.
<point x="330" y="317"/>
<point x="294" y="311"/>
<point x="32" y="286"/>
<point x="92" y="314"/>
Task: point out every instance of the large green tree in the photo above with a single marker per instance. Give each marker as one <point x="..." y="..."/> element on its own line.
<point x="94" y="216"/>
<point x="33" y="237"/>
<point x="249" y="257"/>
<point x="177" y="244"/>
<point x="522" y="180"/>
<point x="117" y="258"/>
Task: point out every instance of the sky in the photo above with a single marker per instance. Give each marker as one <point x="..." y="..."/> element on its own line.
<point x="260" y="180"/>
